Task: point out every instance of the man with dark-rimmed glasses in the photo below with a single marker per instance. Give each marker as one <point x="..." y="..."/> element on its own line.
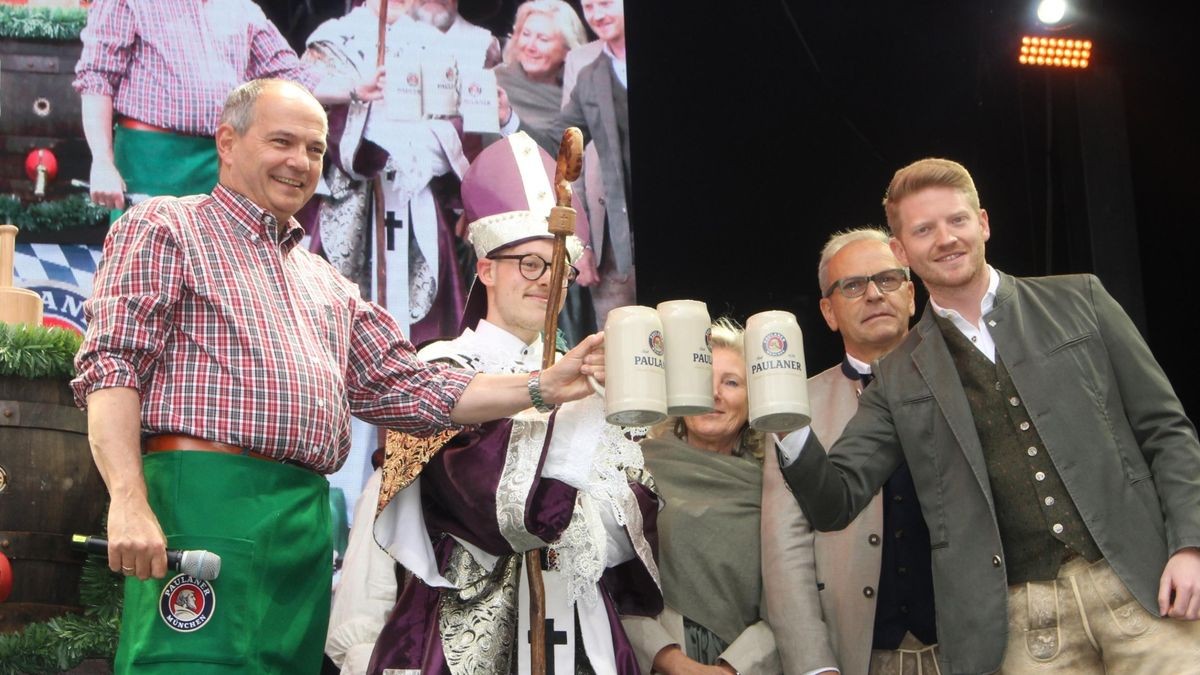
<point x="538" y="479"/>
<point x="860" y="600"/>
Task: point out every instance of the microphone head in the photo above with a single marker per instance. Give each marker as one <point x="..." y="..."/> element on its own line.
<point x="200" y="564"/>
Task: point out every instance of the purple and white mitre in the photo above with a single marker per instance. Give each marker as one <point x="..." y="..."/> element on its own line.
<point x="507" y="195"/>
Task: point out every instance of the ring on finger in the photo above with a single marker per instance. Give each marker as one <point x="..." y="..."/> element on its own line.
<point x="127" y="570"/>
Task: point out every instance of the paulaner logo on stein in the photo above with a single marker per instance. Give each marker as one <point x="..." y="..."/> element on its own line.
<point x="777" y="377"/>
<point x="656" y="342"/>
<point x="654" y="358"/>
<point x="775" y="344"/>
<point x="635" y="391"/>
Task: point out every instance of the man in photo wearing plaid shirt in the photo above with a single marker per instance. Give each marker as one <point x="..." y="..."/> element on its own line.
<point x="153" y="76"/>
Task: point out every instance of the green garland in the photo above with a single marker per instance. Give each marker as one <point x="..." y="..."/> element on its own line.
<point x="63" y="642"/>
<point x="41" y="23"/>
<point x="66" y="213"/>
<point x="35" y="352"/>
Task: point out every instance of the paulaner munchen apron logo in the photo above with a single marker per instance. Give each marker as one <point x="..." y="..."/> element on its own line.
<point x="187" y="603"/>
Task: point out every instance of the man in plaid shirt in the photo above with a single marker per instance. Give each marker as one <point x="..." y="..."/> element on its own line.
<point x="233" y="359"/>
<point x="164" y="68"/>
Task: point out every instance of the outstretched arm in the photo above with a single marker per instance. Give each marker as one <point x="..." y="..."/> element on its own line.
<point x="492" y="396"/>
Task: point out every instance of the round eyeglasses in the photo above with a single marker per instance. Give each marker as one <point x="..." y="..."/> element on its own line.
<point x="852" y="287"/>
<point x="534" y="266"/>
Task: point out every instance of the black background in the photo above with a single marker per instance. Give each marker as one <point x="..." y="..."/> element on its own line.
<point x="755" y="138"/>
<point x="760" y="127"/>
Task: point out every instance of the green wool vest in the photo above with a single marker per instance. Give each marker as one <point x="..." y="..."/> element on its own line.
<point x="1039" y="524"/>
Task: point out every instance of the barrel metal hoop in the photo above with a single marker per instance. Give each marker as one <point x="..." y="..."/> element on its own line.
<point x="37" y="415"/>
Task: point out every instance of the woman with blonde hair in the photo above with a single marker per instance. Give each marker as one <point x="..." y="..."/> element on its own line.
<point x="531" y="75"/>
<point x="708" y="470"/>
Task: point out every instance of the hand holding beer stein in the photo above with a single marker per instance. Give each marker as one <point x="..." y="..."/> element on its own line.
<point x="635" y="391"/>
<point x="778" y="379"/>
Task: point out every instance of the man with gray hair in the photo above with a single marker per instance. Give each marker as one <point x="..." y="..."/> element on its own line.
<point x="220" y="369"/>
<point x="861" y="599"/>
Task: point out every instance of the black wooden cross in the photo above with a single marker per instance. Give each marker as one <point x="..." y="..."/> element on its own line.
<point x="553" y="637"/>
<point x="392" y="224"/>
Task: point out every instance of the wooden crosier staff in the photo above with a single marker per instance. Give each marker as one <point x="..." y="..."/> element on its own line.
<point x="377" y="194"/>
<point x="561" y="225"/>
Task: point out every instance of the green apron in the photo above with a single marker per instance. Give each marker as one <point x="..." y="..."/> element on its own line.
<point x="157" y="163"/>
<point x="268" y="610"/>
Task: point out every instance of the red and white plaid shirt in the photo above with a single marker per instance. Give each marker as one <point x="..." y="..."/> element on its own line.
<point x="171" y="63"/>
<point x="232" y="336"/>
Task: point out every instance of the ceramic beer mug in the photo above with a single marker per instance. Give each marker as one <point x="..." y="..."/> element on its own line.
<point x="635" y="389"/>
<point x="687" y="330"/>
<point x="778" y="379"/>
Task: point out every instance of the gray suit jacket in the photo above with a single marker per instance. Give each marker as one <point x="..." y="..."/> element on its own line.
<point x="1114" y="428"/>
<point x="832" y="626"/>
<point x="591" y="108"/>
<point x="590" y="185"/>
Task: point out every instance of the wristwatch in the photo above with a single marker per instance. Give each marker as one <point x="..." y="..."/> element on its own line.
<point x="535" y="392"/>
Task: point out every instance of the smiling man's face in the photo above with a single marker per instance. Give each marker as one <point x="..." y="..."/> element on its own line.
<point x="517" y="304"/>
<point x="277" y="162"/>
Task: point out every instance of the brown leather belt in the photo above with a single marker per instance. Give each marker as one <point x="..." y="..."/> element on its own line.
<point x="130" y="123"/>
<point x="185" y="443"/>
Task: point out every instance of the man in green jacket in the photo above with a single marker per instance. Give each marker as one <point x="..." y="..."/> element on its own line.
<point x="1056" y="469"/>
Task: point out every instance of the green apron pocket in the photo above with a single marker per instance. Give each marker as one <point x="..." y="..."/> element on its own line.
<point x="180" y="618"/>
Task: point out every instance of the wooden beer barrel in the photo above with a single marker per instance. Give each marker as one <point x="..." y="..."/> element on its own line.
<point x="49" y="490"/>
<point x="40" y="109"/>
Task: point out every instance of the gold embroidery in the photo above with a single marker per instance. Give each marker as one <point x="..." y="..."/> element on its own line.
<point x="406" y="455"/>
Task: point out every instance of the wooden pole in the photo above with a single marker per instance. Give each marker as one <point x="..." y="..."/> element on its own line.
<point x="377" y="199"/>
<point x="561" y="225"/>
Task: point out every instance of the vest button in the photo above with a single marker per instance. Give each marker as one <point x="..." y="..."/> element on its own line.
<point x="869" y="592"/>
<point x="1049" y="501"/>
<point x="1024" y="426"/>
<point x="996" y="561"/>
<point x="1031" y="451"/>
<point x="873" y="540"/>
<point x="1058" y="528"/>
<point x="1040" y="476"/>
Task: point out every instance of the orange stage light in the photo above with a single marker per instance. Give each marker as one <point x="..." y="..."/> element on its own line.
<point x="1036" y="50"/>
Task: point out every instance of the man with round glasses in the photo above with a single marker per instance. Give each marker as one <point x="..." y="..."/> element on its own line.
<point x="534" y="266"/>
<point x="552" y="479"/>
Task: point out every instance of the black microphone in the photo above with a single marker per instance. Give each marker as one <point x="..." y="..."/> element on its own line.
<point x="200" y="564"/>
